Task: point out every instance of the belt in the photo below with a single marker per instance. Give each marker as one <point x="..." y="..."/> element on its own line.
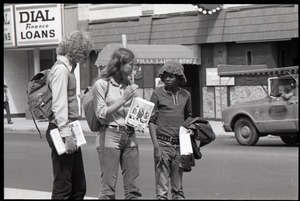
<point x="165" y="138"/>
<point x="127" y="129"/>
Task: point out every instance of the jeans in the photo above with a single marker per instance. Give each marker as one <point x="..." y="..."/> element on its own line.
<point x="167" y="170"/>
<point x="68" y="171"/>
<point x="114" y="148"/>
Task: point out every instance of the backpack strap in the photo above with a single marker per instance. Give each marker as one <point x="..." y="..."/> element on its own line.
<point x="36" y="125"/>
<point x="48" y="78"/>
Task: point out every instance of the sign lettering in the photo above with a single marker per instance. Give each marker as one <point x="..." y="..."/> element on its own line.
<point x="162" y="61"/>
<point x="38" y="24"/>
<point x="35" y="16"/>
<point x="8" y="27"/>
<point x="6" y="19"/>
<point x="213" y="79"/>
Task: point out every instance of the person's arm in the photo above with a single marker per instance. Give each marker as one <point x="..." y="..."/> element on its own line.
<point x="99" y="90"/>
<point x="128" y="94"/>
<point x="188" y="107"/>
<point x="188" y="112"/>
<point x="152" y="129"/>
<point x="59" y="88"/>
<point x="287" y="96"/>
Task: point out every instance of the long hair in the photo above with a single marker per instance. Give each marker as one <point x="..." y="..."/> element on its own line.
<point x="76" y="46"/>
<point x="120" y="57"/>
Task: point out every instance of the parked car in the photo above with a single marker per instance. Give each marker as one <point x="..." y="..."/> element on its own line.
<point x="273" y="115"/>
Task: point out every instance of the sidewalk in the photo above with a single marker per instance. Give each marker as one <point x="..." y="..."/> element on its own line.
<point x="27" y="125"/>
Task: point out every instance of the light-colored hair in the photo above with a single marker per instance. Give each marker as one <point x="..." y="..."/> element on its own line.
<point x="76" y="46"/>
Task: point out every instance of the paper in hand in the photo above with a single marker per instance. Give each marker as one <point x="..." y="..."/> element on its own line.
<point x="185" y="141"/>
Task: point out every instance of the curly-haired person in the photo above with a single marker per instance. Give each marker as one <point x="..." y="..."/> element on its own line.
<point x="68" y="170"/>
<point x="172" y="108"/>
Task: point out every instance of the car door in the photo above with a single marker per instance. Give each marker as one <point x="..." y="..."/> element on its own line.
<point x="280" y="116"/>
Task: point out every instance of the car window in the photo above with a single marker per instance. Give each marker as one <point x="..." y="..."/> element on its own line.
<point x="281" y="85"/>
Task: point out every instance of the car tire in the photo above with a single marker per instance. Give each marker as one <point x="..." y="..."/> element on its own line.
<point x="290" y="140"/>
<point x="245" y="132"/>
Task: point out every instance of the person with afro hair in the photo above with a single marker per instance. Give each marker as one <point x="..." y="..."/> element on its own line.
<point x="172" y="108"/>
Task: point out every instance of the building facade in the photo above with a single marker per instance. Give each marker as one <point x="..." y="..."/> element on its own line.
<point x="235" y="35"/>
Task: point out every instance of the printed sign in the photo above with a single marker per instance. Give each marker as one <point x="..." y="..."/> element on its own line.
<point x="9" y="27"/>
<point x="213" y="79"/>
<point x="162" y="61"/>
<point x="38" y="24"/>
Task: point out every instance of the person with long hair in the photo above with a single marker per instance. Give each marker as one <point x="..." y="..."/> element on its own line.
<point x="115" y="142"/>
<point x="68" y="169"/>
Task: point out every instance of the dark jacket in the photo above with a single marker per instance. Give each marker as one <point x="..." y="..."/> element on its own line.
<point x="203" y="133"/>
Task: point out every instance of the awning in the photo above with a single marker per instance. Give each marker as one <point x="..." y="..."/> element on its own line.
<point x="152" y="54"/>
<point x="254" y="70"/>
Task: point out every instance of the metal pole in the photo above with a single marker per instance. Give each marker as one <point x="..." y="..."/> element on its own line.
<point x="124" y="40"/>
<point x="124" y="43"/>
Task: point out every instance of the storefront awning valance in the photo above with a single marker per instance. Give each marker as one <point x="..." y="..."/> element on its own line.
<point x="152" y="54"/>
<point x="254" y="70"/>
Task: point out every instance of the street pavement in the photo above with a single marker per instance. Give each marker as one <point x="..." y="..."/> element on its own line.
<point x="24" y="125"/>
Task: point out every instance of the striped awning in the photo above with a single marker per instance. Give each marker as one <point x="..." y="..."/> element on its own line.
<point x="254" y="70"/>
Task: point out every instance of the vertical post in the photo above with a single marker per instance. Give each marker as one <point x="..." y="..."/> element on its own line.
<point x="36" y="57"/>
<point x="124" y="43"/>
<point x="124" y="40"/>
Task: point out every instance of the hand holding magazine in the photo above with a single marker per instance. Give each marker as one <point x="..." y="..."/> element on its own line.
<point x="58" y="141"/>
<point x="139" y="114"/>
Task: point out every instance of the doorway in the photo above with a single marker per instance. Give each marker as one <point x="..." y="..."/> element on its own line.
<point x="47" y="58"/>
<point x="192" y="75"/>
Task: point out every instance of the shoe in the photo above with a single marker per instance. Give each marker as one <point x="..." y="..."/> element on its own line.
<point x="10" y="122"/>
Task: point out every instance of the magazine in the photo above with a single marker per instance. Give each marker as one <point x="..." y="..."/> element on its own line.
<point x="139" y="114"/>
<point x="58" y="141"/>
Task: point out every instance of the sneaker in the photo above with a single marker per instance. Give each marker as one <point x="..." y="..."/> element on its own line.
<point x="10" y="122"/>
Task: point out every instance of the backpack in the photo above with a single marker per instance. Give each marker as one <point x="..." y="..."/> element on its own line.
<point x="40" y="96"/>
<point x="88" y="107"/>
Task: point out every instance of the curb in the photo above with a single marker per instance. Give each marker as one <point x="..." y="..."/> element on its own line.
<point x="138" y="134"/>
<point x="43" y="131"/>
<point x="22" y="125"/>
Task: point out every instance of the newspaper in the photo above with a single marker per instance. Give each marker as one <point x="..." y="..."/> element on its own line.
<point x="58" y="141"/>
<point x="139" y="114"/>
<point x="185" y="142"/>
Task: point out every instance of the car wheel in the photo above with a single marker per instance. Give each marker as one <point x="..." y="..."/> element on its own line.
<point x="245" y="132"/>
<point x="290" y="140"/>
